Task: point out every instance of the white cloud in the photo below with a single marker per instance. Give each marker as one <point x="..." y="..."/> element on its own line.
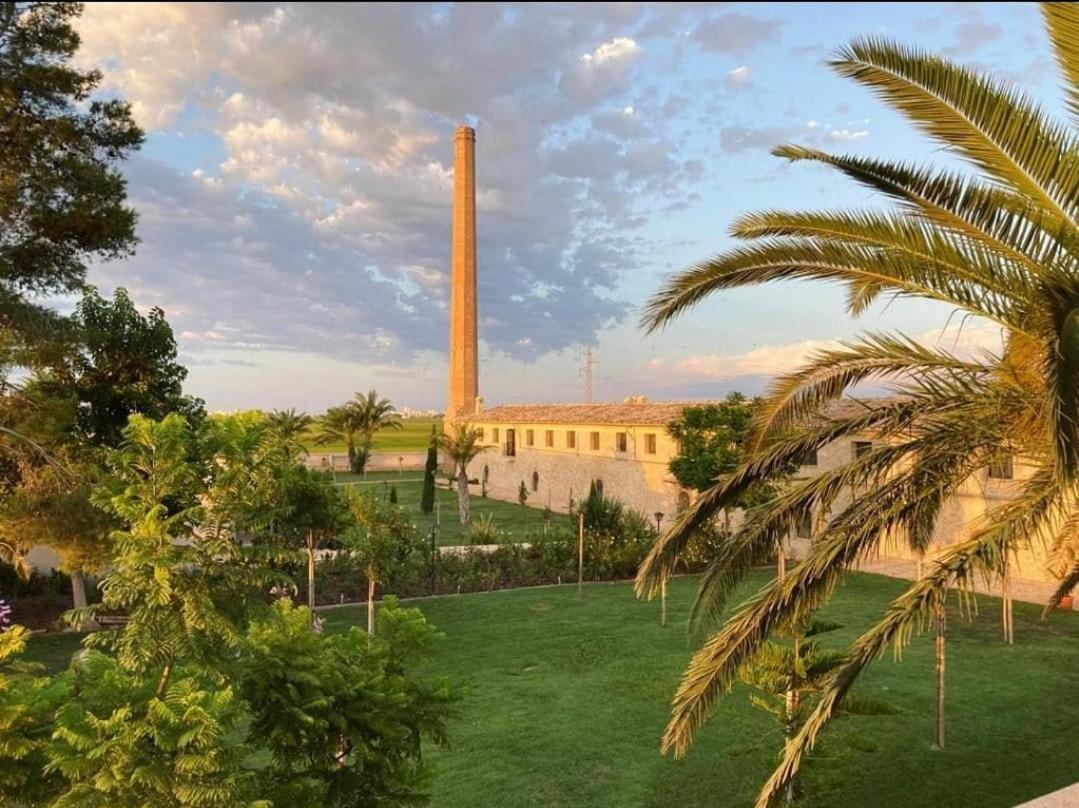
<point x="847" y="134"/>
<point x="739" y="76"/>
<point x="617" y="49"/>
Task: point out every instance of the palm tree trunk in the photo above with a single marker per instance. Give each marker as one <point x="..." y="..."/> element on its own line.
<point x="370" y="604"/>
<point x="78" y="589"/>
<point x="938" y="729"/>
<point x="311" y="574"/>
<point x="462" y="496"/>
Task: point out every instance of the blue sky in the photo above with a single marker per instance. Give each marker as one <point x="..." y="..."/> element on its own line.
<point x="294" y="188"/>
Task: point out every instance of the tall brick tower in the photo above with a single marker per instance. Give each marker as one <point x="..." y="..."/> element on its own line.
<point x="464" y="371"/>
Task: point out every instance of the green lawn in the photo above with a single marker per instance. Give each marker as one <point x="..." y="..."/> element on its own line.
<point x="511" y="518"/>
<point x="414" y="436"/>
<point x="567" y="699"/>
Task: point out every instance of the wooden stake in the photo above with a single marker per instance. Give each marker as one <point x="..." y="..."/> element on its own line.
<point x="580" y="553"/>
<point x="938" y="730"/>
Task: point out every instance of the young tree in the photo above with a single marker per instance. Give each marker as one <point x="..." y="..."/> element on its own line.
<point x="461" y="446"/>
<point x="788" y="677"/>
<point x="63" y="200"/>
<point x="427" y="498"/>
<point x="990" y="244"/>
<point x="373" y="414"/>
<point x="380" y="540"/>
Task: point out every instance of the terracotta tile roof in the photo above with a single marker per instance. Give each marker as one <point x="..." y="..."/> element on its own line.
<point x="649" y="413"/>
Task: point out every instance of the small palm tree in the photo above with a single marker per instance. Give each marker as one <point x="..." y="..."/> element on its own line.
<point x="288" y="428"/>
<point x="373" y="415"/>
<point x="341" y="425"/>
<point x="997" y="242"/>
<point x="461" y="445"/>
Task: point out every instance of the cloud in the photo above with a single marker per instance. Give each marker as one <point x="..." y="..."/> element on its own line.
<point x="764" y="360"/>
<point x="737" y="138"/>
<point x="735" y="33"/>
<point x="739" y="77"/>
<point x="966" y="341"/>
<point x="324" y="225"/>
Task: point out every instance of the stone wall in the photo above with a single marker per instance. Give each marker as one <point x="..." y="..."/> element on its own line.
<point x="561" y="475"/>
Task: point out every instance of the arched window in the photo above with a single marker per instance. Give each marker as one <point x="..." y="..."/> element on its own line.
<point x="599" y="486"/>
<point x="535" y="481"/>
<point x="683" y="500"/>
<point x="486" y="474"/>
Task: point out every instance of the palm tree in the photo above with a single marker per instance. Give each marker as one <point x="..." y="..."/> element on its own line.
<point x="288" y="428"/>
<point x="374" y="414"/>
<point x="341" y="425"/>
<point x="996" y="242"/>
<point x="461" y="446"/>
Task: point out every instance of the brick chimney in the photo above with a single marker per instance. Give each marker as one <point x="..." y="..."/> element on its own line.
<point x="464" y="371"/>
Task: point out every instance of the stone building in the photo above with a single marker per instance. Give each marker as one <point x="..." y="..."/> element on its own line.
<point x="559" y="450"/>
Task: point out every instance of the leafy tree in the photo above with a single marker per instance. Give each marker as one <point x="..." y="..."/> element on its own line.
<point x="207" y="697"/>
<point x="380" y="540"/>
<point x="119" y="363"/>
<point x="461" y="445"/>
<point x="314" y="513"/>
<point x="62" y="195"/>
<point x="522" y="493"/>
<point x="342" y="425"/>
<point x="711" y="438"/>
<point x="125" y="364"/>
<point x="374" y="414"/>
<point x="427" y="498"/>
<point x="992" y="242"/>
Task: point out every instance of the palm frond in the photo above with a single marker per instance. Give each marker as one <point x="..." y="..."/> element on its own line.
<point x="778" y="259"/>
<point x="993" y="126"/>
<point x="1006" y="222"/>
<point x="1062" y="22"/>
<point x="957" y="565"/>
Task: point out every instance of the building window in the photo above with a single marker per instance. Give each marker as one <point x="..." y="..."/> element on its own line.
<point x="571" y="439"/>
<point x="511" y="443"/>
<point x="805" y="526"/>
<point x="809" y="458"/>
<point x="548" y="438"/>
<point x="599" y="487"/>
<point x="486" y="475"/>
<point x="620" y="441"/>
<point x="494" y="435"/>
<point x="535" y="481"/>
<point x="1001" y="470"/>
<point x="479" y="433"/>
<point x="683" y="500"/>
<point x="594" y="438"/>
<point x="530" y="437"/>
<point x="862" y="448"/>
<point x="650" y="443"/>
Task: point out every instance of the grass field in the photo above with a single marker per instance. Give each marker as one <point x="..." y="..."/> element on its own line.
<point x="514" y="520"/>
<point x="566" y="700"/>
<point x="414" y="436"/>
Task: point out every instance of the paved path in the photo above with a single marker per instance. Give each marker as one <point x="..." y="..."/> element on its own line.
<point x="1065" y="798"/>
<point x="1022" y="589"/>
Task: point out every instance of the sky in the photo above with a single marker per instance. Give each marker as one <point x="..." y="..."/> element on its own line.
<point x="294" y="189"/>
